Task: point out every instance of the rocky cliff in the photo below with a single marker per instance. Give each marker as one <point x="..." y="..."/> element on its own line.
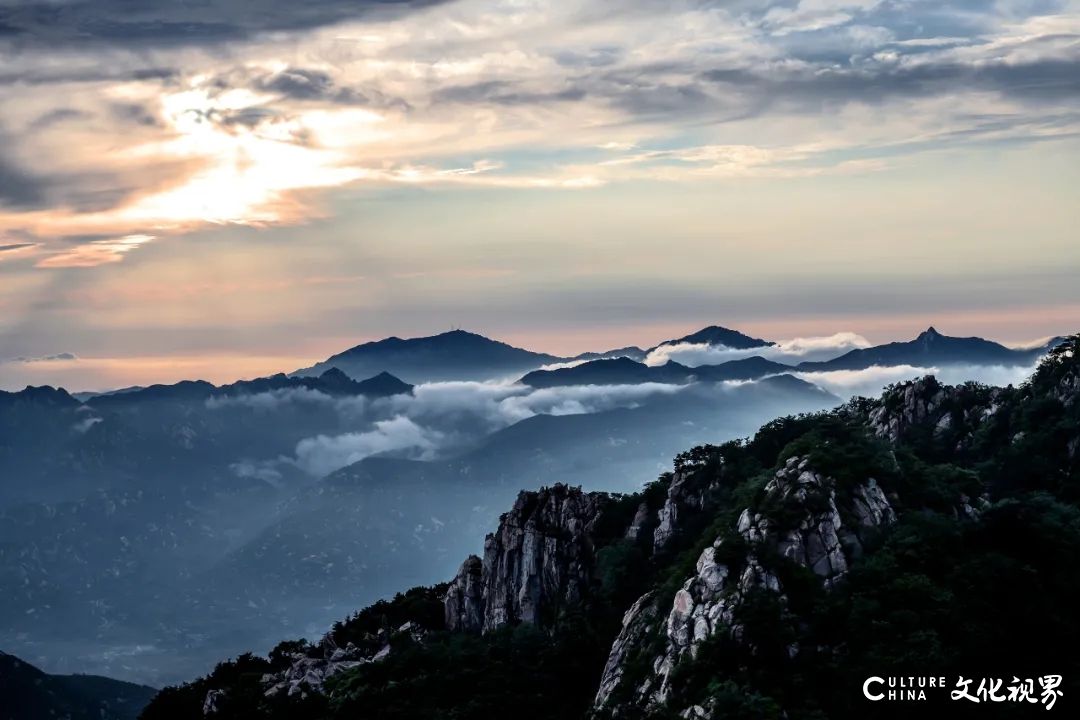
<point x="540" y="560"/>
<point x="687" y="495"/>
<point x="815" y="536"/>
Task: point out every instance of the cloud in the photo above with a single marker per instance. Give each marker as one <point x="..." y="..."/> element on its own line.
<point x="19" y="189"/>
<point x="437" y="417"/>
<point x="58" y="357"/>
<point x="445" y="417"/>
<point x="264" y="471"/>
<point x="582" y="399"/>
<point x="811" y="15"/>
<point x="322" y="454"/>
<point x="152" y="25"/>
<point x="1031" y="344"/>
<point x="563" y="365"/>
<point x="498" y="405"/>
<point x="176" y="117"/>
<point x="85" y="424"/>
<point x="791" y="351"/>
<point x="822" y="347"/>
<point x="15" y="247"/>
<point x="95" y="252"/>
<point x="272" y="399"/>
<point x="871" y="381"/>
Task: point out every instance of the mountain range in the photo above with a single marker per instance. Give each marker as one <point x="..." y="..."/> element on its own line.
<point x="454" y="355"/>
<point x="931" y="349"/>
<point x="623" y="371"/>
<point x="459" y="355"/>
<point x="462" y="355"/>
<point x="148" y="531"/>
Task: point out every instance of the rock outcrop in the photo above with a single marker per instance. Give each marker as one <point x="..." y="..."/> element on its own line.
<point x="708" y="602"/>
<point x="539" y="561"/>
<point x="309" y="670"/>
<point x="950" y="415"/>
<point x="637" y="623"/>
<point x="683" y="497"/>
<point x="907" y="406"/>
<point x="464" y="602"/>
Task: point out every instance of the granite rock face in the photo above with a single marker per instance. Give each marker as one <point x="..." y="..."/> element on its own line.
<point x="945" y="411"/>
<point x="211" y="705"/>
<point x="308" y="671"/>
<point x="464" y="601"/>
<point x="540" y="560"/>
<point x="687" y="494"/>
<point x="824" y="537"/>
<point x="907" y="406"/>
<point x="1067" y="389"/>
<point x="638" y="621"/>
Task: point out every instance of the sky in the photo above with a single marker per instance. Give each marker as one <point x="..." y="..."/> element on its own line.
<point x="223" y="189"/>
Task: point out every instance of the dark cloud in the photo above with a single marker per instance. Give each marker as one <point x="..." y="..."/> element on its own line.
<point x="20" y="189"/>
<point x="498" y="92"/>
<point x="302" y="84"/>
<point x="594" y="58"/>
<point x="58" y="357"/>
<point x="310" y="84"/>
<point x="90" y="191"/>
<point x="56" y="116"/>
<point x="83" y="192"/>
<point x="134" y="22"/>
<point x="821" y="88"/>
<point x="15" y="246"/>
<point x="644" y="98"/>
<point x="247" y="117"/>
<point x="135" y="113"/>
<point x="57" y="74"/>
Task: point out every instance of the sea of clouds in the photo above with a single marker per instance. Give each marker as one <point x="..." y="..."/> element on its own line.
<point x="790" y="352"/>
<point x="871" y="381"/>
<point x="437" y="417"/>
<point x="442" y="417"/>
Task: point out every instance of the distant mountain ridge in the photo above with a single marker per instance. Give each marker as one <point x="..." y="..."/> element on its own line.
<point x="930" y="348"/>
<point x="332" y="382"/>
<point x="27" y="693"/>
<point x="454" y="355"/>
<point x="624" y="371"/>
<point x="717" y="335"/>
<point x="631" y="351"/>
<point x="461" y="355"/>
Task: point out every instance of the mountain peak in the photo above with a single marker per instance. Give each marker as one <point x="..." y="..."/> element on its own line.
<point x="384" y="383"/>
<point x="41" y="394"/>
<point x="451" y="355"/>
<point x="718" y="335"/>
<point x="930" y="348"/>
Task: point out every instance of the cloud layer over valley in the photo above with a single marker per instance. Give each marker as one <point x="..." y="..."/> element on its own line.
<point x="441" y="419"/>
<point x="437" y="419"/>
<point x="789" y="352"/>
